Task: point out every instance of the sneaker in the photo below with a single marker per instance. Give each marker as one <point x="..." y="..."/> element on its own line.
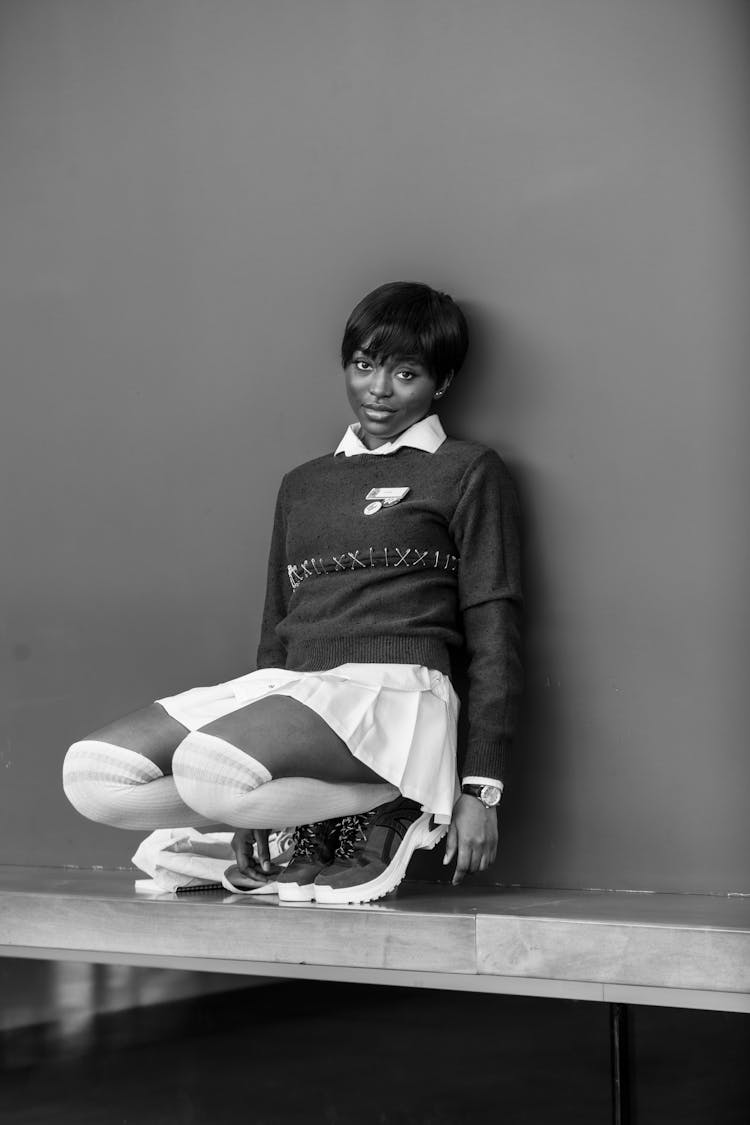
<point x="281" y="845"/>
<point x="313" y="851"/>
<point x="382" y="842"/>
<point x="280" y="850"/>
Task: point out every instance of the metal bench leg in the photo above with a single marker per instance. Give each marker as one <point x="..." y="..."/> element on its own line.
<point x="618" y="1041"/>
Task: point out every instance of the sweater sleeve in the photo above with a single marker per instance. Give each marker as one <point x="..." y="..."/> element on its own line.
<point x="271" y="651"/>
<point x="486" y="530"/>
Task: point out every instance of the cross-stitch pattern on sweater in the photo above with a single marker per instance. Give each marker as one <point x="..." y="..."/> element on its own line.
<point x="391" y="557"/>
<point x="432" y="581"/>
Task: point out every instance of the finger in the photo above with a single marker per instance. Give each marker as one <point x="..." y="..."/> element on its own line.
<point x="248" y="867"/>
<point x="243" y="880"/>
<point x="241" y="853"/>
<point x="264" y="854"/>
<point x="450" y="845"/>
<point x="478" y="861"/>
<point x="462" y="866"/>
<point x="475" y="861"/>
<point x="254" y="871"/>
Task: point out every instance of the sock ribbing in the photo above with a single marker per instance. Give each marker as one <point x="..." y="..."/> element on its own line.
<point x="231" y="787"/>
<point x="212" y="775"/>
<point x="113" y="785"/>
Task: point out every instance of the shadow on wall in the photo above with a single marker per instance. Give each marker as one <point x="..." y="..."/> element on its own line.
<point x="502" y="379"/>
<point x="490" y="368"/>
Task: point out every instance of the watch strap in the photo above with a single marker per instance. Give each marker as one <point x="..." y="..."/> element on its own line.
<point x="482" y="792"/>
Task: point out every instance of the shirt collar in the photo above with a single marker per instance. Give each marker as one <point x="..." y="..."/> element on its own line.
<point x="427" y="435"/>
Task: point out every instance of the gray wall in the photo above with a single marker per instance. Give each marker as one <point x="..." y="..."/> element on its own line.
<point x="193" y="197"/>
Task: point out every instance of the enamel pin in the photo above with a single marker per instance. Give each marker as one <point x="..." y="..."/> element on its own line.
<point x="383" y="498"/>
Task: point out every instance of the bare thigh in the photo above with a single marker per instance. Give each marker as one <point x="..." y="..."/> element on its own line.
<point x="291" y="740"/>
<point x="149" y="731"/>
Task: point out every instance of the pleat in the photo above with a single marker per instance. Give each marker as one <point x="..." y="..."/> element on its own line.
<point x="400" y="720"/>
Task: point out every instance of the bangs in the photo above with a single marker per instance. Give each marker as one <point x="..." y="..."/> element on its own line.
<point x="407" y="319"/>
<point x="399" y="341"/>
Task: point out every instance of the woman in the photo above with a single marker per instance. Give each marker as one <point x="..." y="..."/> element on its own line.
<point x="389" y="557"/>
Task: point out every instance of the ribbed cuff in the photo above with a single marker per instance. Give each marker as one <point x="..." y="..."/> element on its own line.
<point x="485" y="758"/>
<point x="330" y="652"/>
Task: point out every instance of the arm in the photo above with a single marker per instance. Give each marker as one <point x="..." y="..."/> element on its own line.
<point x="485" y="528"/>
<point x="271" y="651"/>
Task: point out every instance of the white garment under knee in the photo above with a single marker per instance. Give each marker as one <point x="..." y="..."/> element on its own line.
<point x="119" y="787"/>
<point x="229" y="786"/>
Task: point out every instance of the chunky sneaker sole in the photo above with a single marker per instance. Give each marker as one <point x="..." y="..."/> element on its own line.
<point x="418" y="835"/>
<point x="296" y="884"/>
<point x="296" y="892"/>
<point x="312" y="849"/>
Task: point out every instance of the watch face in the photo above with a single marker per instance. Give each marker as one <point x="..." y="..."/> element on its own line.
<point x="490" y="796"/>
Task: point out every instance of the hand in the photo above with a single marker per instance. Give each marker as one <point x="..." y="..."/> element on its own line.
<point x="473" y="835"/>
<point x="256" y="871"/>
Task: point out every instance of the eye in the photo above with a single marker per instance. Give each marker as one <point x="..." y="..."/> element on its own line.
<point x="362" y="365"/>
<point x="406" y="375"/>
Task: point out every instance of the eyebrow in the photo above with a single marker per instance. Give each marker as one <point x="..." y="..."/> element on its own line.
<point x="395" y="357"/>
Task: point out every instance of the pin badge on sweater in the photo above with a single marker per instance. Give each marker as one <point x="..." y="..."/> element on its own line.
<point x="383" y="498"/>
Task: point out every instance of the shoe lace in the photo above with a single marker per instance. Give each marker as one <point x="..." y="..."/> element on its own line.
<point x="308" y="837"/>
<point x="352" y="834"/>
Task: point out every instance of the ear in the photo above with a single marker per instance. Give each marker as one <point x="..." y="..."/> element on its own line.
<point x="443" y="386"/>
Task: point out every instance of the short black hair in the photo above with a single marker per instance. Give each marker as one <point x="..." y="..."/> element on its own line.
<point x="407" y="318"/>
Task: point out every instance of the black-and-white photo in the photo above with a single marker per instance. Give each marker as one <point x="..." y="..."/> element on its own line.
<point x="375" y="632"/>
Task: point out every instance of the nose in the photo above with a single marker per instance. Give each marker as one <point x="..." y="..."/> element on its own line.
<point x="380" y="383"/>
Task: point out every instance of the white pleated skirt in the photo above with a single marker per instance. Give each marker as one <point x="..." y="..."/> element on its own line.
<point x="399" y="719"/>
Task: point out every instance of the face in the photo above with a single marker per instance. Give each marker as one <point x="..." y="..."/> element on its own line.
<point x="389" y="395"/>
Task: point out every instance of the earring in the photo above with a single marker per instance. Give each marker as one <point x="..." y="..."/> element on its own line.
<point x="438" y="394"/>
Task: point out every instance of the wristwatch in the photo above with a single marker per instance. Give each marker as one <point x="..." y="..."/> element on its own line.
<point x="489" y="795"/>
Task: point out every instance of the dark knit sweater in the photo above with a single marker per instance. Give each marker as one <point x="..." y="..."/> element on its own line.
<point x="434" y="577"/>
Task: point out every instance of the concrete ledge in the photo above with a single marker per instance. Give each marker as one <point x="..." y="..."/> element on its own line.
<point x="678" y="950"/>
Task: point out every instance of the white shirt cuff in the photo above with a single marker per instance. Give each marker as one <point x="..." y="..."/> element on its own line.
<point x="483" y="781"/>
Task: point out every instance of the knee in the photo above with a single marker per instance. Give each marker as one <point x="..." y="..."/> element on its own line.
<point x="99" y="780"/>
<point x="214" y="777"/>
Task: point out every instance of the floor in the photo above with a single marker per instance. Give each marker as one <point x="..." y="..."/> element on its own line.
<point x="278" y="1053"/>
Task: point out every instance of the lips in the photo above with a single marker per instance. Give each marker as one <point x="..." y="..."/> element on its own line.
<point x="377" y="411"/>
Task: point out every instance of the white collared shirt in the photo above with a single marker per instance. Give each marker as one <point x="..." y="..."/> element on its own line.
<point x="427" y="435"/>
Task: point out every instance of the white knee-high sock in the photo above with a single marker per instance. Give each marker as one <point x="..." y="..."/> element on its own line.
<point x="211" y="775"/>
<point x="304" y="800"/>
<point x="119" y="787"/>
<point x="225" y="784"/>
